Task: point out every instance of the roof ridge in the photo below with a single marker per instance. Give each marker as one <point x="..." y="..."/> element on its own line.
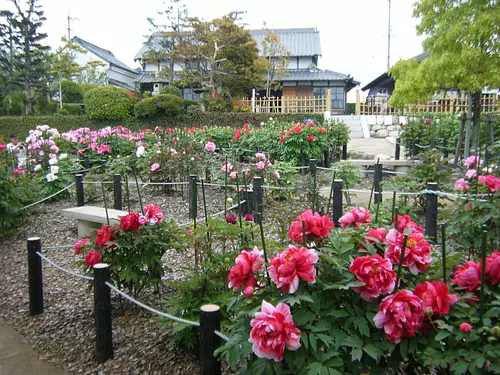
<point x="93" y="45"/>
<point x="291" y="29"/>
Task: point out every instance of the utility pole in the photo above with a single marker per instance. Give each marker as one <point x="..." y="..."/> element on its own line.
<point x="389" y="39"/>
<point x="69" y="25"/>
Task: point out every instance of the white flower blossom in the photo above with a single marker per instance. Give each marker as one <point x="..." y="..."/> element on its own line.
<point x="140" y="151"/>
<point x="51" y="177"/>
<point x="53" y="161"/>
<point x="63" y="156"/>
<point x="54" y="169"/>
<point x="37" y="167"/>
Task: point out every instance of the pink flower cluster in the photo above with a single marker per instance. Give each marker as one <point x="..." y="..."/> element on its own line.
<point x="317" y="226"/>
<point x="152" y="215"/>
<point x="355" y="217"/>
<point x="241" y="276"/>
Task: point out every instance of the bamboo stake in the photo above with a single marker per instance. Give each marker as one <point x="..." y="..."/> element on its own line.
<point x="401" y="259"/>
<point x="105" y="203"/>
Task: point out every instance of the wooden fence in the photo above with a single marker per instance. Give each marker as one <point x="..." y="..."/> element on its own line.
<point x="378" y="105"/>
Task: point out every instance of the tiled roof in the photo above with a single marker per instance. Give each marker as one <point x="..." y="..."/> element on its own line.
<point x="314" y="75"/>
<point x="300" y="42"/>
<point x="102" y="53"/>
<point x="150" y="78"/>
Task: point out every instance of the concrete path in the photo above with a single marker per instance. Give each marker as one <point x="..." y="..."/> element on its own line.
<point x="17" y="357"/>
<point x="374" y="147"/>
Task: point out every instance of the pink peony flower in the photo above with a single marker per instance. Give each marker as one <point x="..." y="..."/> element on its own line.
<point x="79" y="244"/>
<point x="154" y="167"/>
<point x="493" y="267"/>
<point x="210" y="146"/>
<point x="80" y="152"/>
<point x="92" y="258"/>
<point x="465" y="327"/>
<point x="233" y="175"/>
<point x="231" y="219"/>
<point x="490" y="181"/>
<point x="468" y="276"/>
<point x="417" y="255"/>
<point x="405" y="222"/>
<point x="277" y="175"/>
<point x="401" y="315"/>
<point x="272" y="331"/>
<point x="291" y="265"/>
<point x="143" y="220"/>
<point x="242" y="275"/>
<point x="317" y="226"/>
<point x="471" y="173"/>
<point x="379" y="234"/>
<point x="260" y="155"/>
<point x="153" y="213"/>
<point x="248" y="217"/>
<point x="356" y="217"/>
<point x="377" y="274"/>
<point x="461" y="184"/>
<point x="17" y="171"/>
<point x="435" y="295"/>
<point x="227" y="167"/>
<point x="260" y="165"/>
<point x="471" y="160"/>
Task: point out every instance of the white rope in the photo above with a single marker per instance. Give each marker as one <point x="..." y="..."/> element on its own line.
<point x="58" y="247"/>
<point x="393" y="172"/>
<point x="278" y="187"/>
<point x="422" y="146"/>
<point x="64" y="269"/>
<point x="213" y="215"/>
<point x="50" y="196"/>
<point x="328" y="169"/>
<point x="96" y="182"/>
<point x="222" y="336"/>
<point x="165" y="183"/>
<point x="216" y="185"/>
<point x="154" y="311"/>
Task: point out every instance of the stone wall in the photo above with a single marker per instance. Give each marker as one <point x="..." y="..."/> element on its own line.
<point x="384" y="126"/>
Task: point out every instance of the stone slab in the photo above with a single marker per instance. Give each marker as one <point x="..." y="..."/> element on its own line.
<point x="91" y="218"/>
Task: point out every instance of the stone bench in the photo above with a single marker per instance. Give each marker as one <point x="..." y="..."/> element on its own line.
<point x="403" y="166"/>
<point x="91" y="218"/>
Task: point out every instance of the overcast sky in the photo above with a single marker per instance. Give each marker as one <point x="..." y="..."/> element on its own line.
<point x="353" y="32"/>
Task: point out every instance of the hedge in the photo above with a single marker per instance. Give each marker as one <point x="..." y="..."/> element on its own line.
<point x="22" y="124"/>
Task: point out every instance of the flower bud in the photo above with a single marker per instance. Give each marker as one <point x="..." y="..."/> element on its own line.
<point x="428" y="311"/>
<point x="229" y="200"/>
<point x="495" y="332"/>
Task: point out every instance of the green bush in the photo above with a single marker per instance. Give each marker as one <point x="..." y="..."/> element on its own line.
<point x="218" y="104"/>
<point x="193" y="111"/>
<point x="188" y="103"/>
<point x="169" y="104"/>
<point x="73" y="109"/>
<point x="107" y="103"/>
<point x="71" y="92"/>
<point x="146" y="108"/>
<point x="52" y="107"/>
<point x="88" y="86"/>
<point x="172" y="90"/>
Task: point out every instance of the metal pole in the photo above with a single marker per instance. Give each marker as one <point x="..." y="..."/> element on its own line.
<point x="337" y="201"/>
<point x="35" y="283"/>
<point x="344" y="151"/>
<point x="193" y="197"/>
<point x="378" y="186"/>
<point x="431" y="213"/>
<point x="257" y="190"/>
<point x="397" y="150"/>
<point x="102" y="314"/>
<point x="117" y="188"/>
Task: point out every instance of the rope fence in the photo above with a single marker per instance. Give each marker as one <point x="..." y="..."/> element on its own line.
<point x="64" y="269"/>
<point x="46" y="198"/>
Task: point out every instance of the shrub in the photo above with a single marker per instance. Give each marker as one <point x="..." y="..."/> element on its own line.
<point x="218" y="104"/>
<point x="88" y="86"/>
<point x="171" y="90"/>
<point x="169" y="104"/>
<point x="71" y="92"/>
<point x="107" y="103"/>
<point x="193" y="111"/>
<point x="188" y="103"/>
<point x="73" y="109"/>
<point x="146" y="108"/>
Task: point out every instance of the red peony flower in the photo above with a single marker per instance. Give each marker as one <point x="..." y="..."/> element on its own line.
<point x="282" y="139"/>
<point x="291" y="265"/>
<point x="310" y="138"/>
<point x="153" y="213"/>
<point x="493" y="267"/>
<point x="468" y="276"/>
<point x="355" y="217"/>
<point x="490" y="181"/>
<point x="377" y="274"/>
<point x="317" y="226"/>
<point x="79" y="244"/>
<point x="378" y="234"/>
<point x="417" y="252"/>
<point x="105" y="235"/>
<point x="130" y="222"/>
<point x="435" y="295"/>
<point x="272" y="331"/>
<point x="401" y="315"/>
<point x="92" y="258"/>
<point x="231" y="219"/>
<point x="405" y="222"/>
<point x="465" y="327"/>
<point x="248" y="217"/>
<point x="241" y="275"/>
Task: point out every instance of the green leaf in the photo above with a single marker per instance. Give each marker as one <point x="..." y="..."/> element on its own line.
<point x="315" y="368"/>
<point x="304" y="339"/>
<point x="339" y="313"/>
<point x="362" y="326"/>
<point x="353" y="342"/>
<point x="356" y="354"/>
<point x="460" y="367"/>
<point x="479" y="362"/>
<point x="442" y="335"/>
<point x="258" y="366"/>
<point x="335" y="362"/>
<point x="373" y="351"/>
<point x="312" y="340"/>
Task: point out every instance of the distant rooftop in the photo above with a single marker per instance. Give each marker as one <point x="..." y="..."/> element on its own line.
<point x="102" y="53"/>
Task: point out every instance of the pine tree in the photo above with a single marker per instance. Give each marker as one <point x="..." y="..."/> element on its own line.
<point x="8" y="51"/>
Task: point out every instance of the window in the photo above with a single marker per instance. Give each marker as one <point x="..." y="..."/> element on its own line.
<point x="337" y="95"/>
<point x="190" y="94"/>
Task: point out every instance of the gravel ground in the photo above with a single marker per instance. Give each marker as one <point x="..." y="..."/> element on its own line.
<point x="64" y="334"/>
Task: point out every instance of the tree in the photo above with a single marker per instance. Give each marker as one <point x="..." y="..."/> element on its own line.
<point x="277" y="57"/>
<point x="8" y="41"/>
<point x="170" y="32"/>
<point x="221" y="55"/>
<point x="93" y="74"/>
<point x="30" y="56"/>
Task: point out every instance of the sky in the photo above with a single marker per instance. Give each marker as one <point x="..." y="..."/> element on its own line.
<point x="353" y="32"/>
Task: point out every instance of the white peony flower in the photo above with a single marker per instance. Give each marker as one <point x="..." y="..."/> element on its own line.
<point x="37" y="167"/>
<point x="51" y="177"/>
<point x="53" y="161"/>
<point x="140" y="151"/>
<point x="63" y="156"/>
<point x="54" y="169"/>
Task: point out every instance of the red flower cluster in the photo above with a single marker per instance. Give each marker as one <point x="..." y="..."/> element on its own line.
<point x="273" y="330"/>
<point x="401" y="315"/>
<point x="405" y="222"/>
<point x="435" y="295"/>
<point x="417" y="255"/>
<point x="378" y="234"/>
<point x="130" y="222"/>
<point x="291" y="265"/>
<point x="92" y="258"/>
<point x="79" y="244"/>
<point x="317" y="226"/>
<point x="105" y="235"/>
<point x="310" y="138"/>
<point x="153" y="214"/>
<point x="355" y="217"/>
<point x="242" y="275"/>
<point x="493" y="267"/>
<point x="468" y="276"/>
<point x="490" y="181"/>
<point x="377" y="274"/>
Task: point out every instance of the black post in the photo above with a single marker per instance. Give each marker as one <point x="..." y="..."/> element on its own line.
<point x="35" y="283"/>
<point x="313" y="163"/>
<point x="445" y="147"/>
<point x="102" y="314"/>
<point x="86" y="162"/>
<point x="303" y="171"/>
<point x="117" y="188"/>
<point x="397" y="150"/>
<point x="337" y="202"/>
<point x="344" y="151"/>
<point x="209" y="341"/>
<point x="80" y="200"/>
<point x="431" y="213"/>
<point x="257" y="194"/>
<point x="326" y="159"/>
<point x="193" y="197"/>
<point x="378" y="183"/>
<point x="414" y="148"/>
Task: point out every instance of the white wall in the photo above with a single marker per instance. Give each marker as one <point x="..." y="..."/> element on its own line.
<point x="85" y="58"/>
<point x="150" y="67"/>
<point x="305" y="62"/>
